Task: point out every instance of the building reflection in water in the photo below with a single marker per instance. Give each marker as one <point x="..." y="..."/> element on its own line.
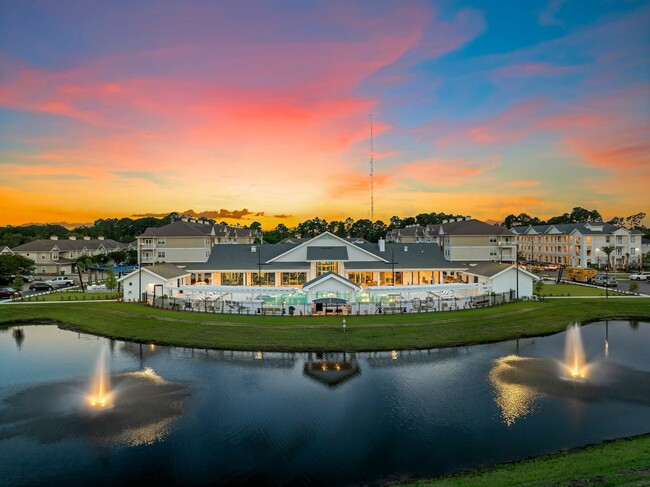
<point x="331" y="369"/>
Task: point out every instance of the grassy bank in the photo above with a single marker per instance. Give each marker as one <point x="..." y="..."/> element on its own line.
<point x="573" y="290"/>
<point x="618" y="462"/>
<point x="241" y="332"/>
<point x="72" y="296"/>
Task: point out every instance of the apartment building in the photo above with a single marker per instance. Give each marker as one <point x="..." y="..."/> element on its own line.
<point x="462" y="239"/>
<point x="58" y="256"/>
<point x="188" y="241"/>
<point x="580" y="244"/>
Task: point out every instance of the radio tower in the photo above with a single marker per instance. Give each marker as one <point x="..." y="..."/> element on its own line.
<point x="372" y="175"/>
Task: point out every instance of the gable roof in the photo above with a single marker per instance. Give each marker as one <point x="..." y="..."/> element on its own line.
<point x="493" y="269"/>
<point x="179" y="228"/>
<point x="240" y="257"/>
<point x="468" y="228"/>
<point x="587" y="228"/>
<point x="166" y="271"/>
<point x="321" y="236"/>
<point x="334" y="276"/>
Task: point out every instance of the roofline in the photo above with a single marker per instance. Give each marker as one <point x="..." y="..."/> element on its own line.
<point x="319" y="236"/>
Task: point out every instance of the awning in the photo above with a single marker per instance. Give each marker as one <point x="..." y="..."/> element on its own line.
<point x="330" y="301"/>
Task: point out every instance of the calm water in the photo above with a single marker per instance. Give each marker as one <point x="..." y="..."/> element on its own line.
<point x="250" y="418"/>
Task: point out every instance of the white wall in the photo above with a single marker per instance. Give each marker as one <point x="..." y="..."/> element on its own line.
<point x="508" y="280"/>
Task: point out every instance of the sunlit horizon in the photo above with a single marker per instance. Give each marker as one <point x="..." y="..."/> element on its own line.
<point x="117" y="110"/>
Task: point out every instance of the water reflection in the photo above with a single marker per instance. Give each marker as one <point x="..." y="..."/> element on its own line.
<point x="19" y="337"/>
<point x="331" y="369"/>
<point x="519" y="382"/>
<point x="515" y="400"/>
<point x="143" y="412"/>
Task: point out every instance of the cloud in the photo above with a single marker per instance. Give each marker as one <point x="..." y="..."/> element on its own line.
<point x="548" y="16"/>
<point x="525" y="183"/>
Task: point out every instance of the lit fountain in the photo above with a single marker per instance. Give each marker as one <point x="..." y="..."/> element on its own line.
<point x="100" y="396"/>
<point x="574" y="353"/>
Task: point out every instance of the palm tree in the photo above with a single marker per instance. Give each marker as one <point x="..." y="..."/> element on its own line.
<point x="608" y="249"/>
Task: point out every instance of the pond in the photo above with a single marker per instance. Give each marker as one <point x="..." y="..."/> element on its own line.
<point x="194" y="417"/>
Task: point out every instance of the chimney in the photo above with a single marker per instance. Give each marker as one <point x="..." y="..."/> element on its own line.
<point x="54" y="237"/>
<point x="72" y="237"/>
<point x="382" y="245"/>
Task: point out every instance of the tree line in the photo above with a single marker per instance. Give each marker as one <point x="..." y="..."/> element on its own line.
<point x="127" y="229"/>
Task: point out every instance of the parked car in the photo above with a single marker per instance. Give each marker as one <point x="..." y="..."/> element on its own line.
<point x="603" y="280"/>
<point x="41" y="286"/>
<point x="61" y="281"/>
<point x="640" y="276"/>
<point x="6" y="293"/>
<point x="28" y="278"/>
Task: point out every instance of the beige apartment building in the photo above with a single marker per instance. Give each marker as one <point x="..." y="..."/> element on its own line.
<point x="463" y="239"/>
<point x="58" y="256"/>
<point x="188" y="241"/>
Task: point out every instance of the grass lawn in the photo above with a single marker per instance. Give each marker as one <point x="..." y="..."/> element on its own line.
<point x="573" y="290"/>
<point x="241" y="332"/>
<point x="72" y="296"/>
<point x="618" y="462"/>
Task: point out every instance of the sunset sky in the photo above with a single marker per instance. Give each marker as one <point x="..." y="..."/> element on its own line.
<point x="111" y="109"/>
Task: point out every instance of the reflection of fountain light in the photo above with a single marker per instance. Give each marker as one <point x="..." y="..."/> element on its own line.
<point x="393" y="355"/>
<point x="148" y="373"/>
<point x="152" y="347"/>
<point x="259" y="356"/>
<point x="574" y="354"/>
<point x="100" y="385"/>
<point x="514" y="400"/>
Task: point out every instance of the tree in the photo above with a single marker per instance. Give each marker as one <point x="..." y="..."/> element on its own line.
<point x="110" y="281"/>
<point x="634" y="287"/>
<point x="634" y="221"/>
<point x="117" y="256"/>
<point x="539" y="287"/>
<point x="15" y="265"/>
<point x="608" y="249"/>
<point x="18" y="284"/>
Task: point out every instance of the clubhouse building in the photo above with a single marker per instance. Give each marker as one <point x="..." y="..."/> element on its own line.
<point x="328" y="273"/>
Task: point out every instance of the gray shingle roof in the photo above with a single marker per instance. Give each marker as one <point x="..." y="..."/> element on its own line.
<point x="179" y="228"/>
<point x="327" y="253"/>
<point x="567" y="228"/>
<point x="407" y="256"/>
<point x="486" y="269"/>
<point x="469" y="228"/>
<point x="65" y="245"/>
<point x="167" y="271"/>
<point x="239" y="257"/>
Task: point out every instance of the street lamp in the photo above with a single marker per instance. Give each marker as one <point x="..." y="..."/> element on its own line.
<point x="598" y="257"/>
<point x="517" y="267"/>
<point x="639" y="258"/>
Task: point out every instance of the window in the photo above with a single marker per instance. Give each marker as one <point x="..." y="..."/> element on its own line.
<point x="263" y="279"/>
<point x="293" y="278"/>
<point x="232" y="278"/>
<point x="324" y="267"/>
<point x="43" y="256"/>
<point x="607" y="239"/>
<point x="386" y="278"/>
<point x="493" y="240"/>
<point x="362" y="278"/>
<point x="55" y="256"/>
<point x="493" y="253"/>
<point x="632" y="239"/>
<point x="160" y="241"/>
<point x="161" y="255"/>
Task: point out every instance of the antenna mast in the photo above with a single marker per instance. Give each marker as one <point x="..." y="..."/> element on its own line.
<point x="372" y="175"/>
